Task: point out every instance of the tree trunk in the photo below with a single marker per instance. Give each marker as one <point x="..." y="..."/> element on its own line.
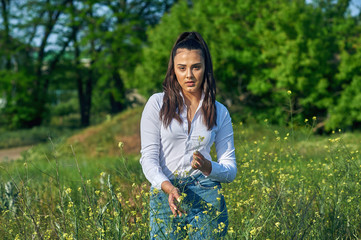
<point x="5" y="5"/>
<point x="41" y="83"/>
<point x="84" y="92"/>
<point x="117" y="102"/>
<point x="85" y="118"/>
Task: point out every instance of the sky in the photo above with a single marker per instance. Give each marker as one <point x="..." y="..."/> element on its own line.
<point x="354" y="6"/>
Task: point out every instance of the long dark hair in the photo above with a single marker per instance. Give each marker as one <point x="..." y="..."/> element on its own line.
<point x="172" y="100"/>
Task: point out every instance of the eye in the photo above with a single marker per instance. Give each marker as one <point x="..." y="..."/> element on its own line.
<point x="181" y="68"/>
<point x="197" y="67"/>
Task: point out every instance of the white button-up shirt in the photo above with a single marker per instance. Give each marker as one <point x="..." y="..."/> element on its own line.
<point x="167" y="152"/>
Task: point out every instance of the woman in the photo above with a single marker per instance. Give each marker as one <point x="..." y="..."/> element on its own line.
<point x="178" y="128"/>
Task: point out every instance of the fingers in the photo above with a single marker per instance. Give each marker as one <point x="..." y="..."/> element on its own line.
<point x="173" y="207"/>
<point x="195" y="164"/>
<point x="200" y="163"/>
<point x="174" y="199"/>
<point x="174" y="193"/>
<point x="198" y="160"/>
<point x="198" y="154"/>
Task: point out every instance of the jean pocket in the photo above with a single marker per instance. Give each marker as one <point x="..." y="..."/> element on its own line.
<point x="207" y="183"/>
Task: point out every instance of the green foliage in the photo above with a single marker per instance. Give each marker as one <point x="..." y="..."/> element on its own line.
<point x="87" y="46"/>
<point x="20" y="107"/>
<point x="262" y="49"/>
<point x="150" y="74"/>
<point x="112" y="40"/>
<point x="347" y="111"/>
<point x="66" y="106"/>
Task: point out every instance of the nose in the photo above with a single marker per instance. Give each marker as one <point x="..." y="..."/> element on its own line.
<point x="189" y="73"/>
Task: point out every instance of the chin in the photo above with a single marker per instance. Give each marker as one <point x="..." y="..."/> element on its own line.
<point x="191" y="90"/>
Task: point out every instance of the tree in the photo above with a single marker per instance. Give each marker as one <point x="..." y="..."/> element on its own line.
<point x="347" y="110"/>
<point x="111" y="39"/>
<point x="261" y="50"/>
<point x="123" y="35"/>
<point x="38" y="20"/>
<point x="108" y="33"/>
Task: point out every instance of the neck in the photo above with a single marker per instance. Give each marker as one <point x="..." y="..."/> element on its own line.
<point x="192" y="98"/>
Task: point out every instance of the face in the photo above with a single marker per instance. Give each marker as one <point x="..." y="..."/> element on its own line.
<point x="189" y="69"/>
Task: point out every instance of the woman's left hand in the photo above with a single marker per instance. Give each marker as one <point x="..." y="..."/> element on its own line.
<point x="199" y="162"/>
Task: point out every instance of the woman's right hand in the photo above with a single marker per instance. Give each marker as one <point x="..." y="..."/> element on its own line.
<point x="173" y="197"/>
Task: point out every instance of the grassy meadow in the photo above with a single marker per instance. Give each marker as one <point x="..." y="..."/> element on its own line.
<point x="291" y="184"/>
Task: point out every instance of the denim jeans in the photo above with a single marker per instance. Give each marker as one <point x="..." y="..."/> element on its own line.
<point x="204" y="207"/>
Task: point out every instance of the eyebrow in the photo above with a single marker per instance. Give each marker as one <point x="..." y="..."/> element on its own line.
<point x="179" y="64"/>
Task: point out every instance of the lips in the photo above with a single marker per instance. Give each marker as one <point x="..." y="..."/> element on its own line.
<point x="190" y="83"/>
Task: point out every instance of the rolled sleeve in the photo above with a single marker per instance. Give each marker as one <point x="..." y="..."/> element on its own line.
<point x="150" y="142"/>
<point x="225" y="169"/>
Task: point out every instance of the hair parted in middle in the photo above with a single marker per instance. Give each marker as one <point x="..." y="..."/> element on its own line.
<point x="172" y="100"/>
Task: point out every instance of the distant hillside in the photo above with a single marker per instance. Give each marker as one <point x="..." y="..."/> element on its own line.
<point x="103" y="139"/>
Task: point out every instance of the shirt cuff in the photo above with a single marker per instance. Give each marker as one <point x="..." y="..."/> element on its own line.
<point x="158" y="182"/>
<point x="221" y="173"/>
<point x="215" y="169"/>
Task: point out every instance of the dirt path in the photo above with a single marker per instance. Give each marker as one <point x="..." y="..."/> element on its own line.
<point x="12" y="153"/>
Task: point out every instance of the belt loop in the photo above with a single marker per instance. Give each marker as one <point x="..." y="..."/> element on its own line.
<point x="195" y="177"/>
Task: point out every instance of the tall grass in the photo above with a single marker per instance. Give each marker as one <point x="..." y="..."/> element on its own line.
<point x="55" y="199"/>
<point x="33" y="136"/>
<point x="295" y="189"/>
<point x="290" y="185"/>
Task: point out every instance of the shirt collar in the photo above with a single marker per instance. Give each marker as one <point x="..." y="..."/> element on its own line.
<point x="200" y="102"/>
<point x="184" y="112"/>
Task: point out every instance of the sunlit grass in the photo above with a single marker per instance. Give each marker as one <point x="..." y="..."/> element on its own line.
<point x="305" y="187"/>
<point x="290" y="185"/>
